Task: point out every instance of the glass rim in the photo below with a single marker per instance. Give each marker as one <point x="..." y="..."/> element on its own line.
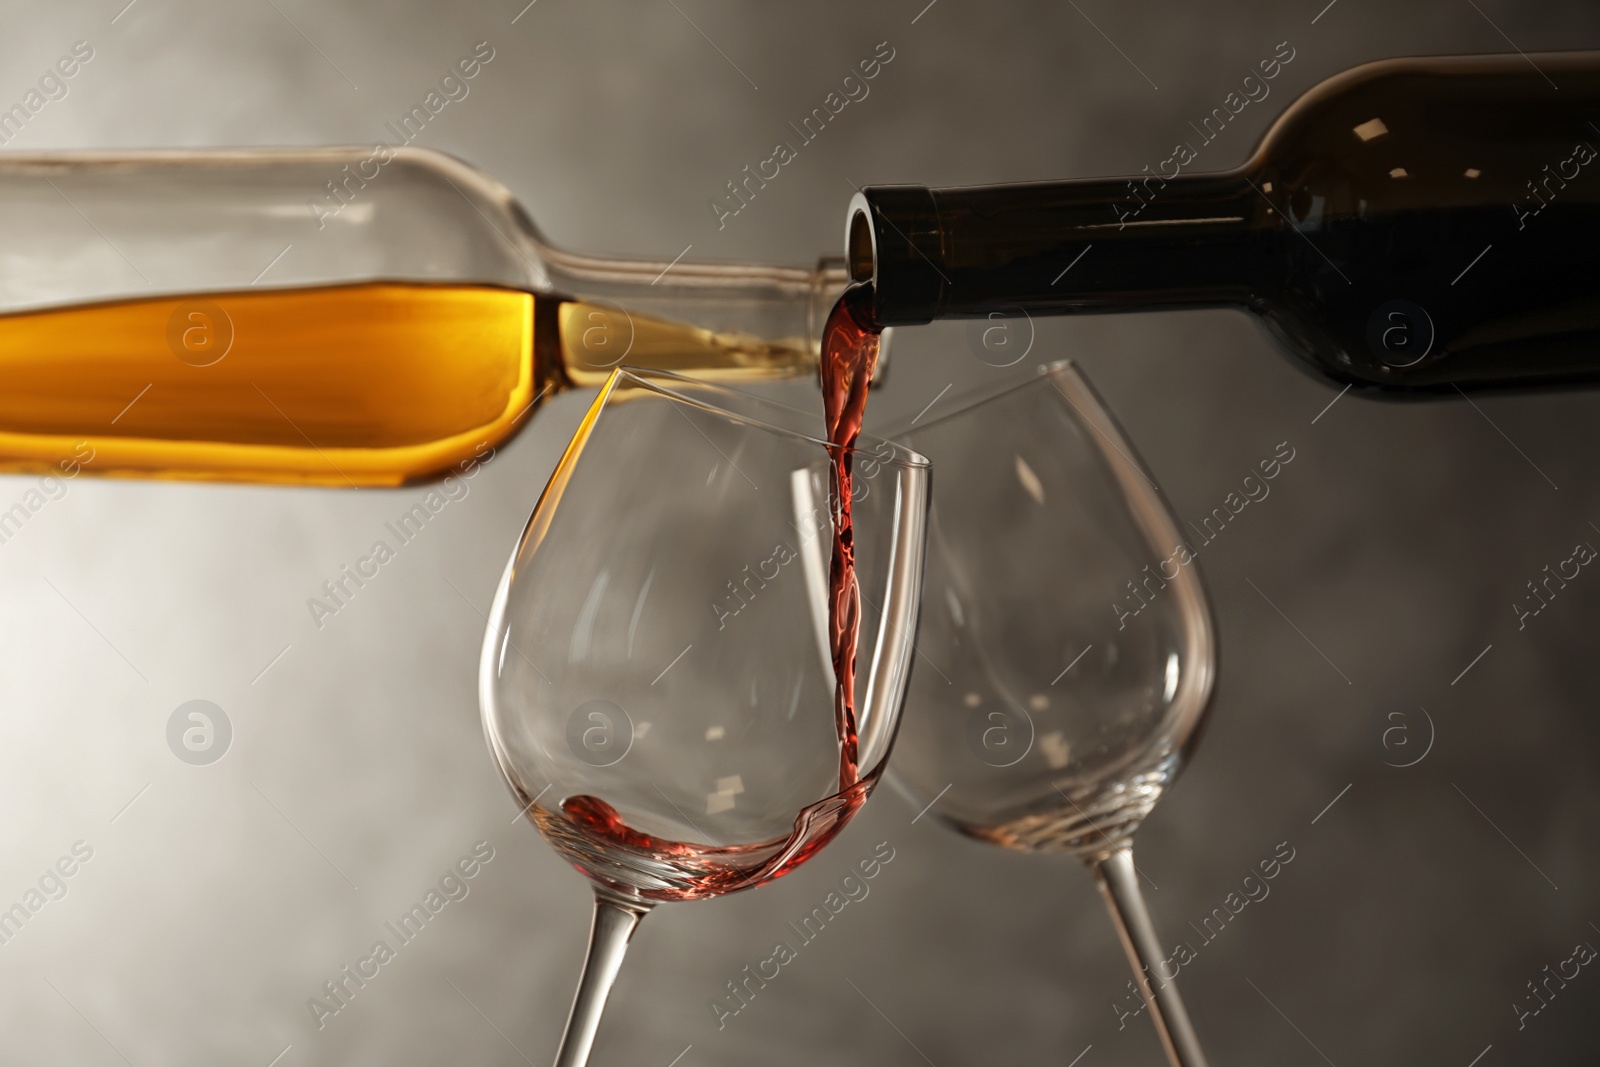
<point x="650" y="379"/>
<point x="982" y="395"/>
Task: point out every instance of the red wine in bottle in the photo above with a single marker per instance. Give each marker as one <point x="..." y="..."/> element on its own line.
<point x="591" y="833"/>
<point x="1411" y="225"/>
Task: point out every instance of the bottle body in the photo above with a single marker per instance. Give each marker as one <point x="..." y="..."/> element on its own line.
<point x="330" y="316"/>
<point x="1410" y="225"/>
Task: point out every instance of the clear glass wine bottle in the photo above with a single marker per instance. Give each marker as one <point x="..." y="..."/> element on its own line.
<point x="339" y="316"/>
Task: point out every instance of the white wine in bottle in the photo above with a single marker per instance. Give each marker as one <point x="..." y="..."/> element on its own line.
<point x="207" y="315"/>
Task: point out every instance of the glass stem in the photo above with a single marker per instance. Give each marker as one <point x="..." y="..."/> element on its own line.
<point x="1119" y="884"/>
<point x="614" y="923"/>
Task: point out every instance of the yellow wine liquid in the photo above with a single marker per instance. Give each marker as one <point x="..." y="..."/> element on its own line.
<point x="376" y="383"/>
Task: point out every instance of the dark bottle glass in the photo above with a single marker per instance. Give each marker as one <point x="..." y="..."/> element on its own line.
<point x="1408" y="225"/>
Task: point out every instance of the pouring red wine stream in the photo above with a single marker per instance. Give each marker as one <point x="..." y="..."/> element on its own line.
<point x="850" y="343"/>
<point x="849" y="354"/>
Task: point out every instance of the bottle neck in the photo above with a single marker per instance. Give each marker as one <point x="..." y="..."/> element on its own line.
<point x="1058" y="247"/>
<point x="736" y="323"/>
<point x="788" y="304"/>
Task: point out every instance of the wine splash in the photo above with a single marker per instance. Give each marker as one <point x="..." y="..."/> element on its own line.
<point x="593" y="836"/>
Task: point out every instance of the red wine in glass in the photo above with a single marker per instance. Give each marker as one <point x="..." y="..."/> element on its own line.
<point x="591" y="833"/>
<point x="669" y="486"/>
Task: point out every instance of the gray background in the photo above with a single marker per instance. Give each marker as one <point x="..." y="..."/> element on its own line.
<point x="225" y="895"/>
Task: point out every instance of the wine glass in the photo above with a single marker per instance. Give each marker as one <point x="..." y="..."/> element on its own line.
<point x="657" y="683"/>
<point x="1068" y="644"/>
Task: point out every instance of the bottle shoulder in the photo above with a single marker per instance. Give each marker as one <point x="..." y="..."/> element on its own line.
<point x="1429" y="133"/>
<point x="1433" y="89"/>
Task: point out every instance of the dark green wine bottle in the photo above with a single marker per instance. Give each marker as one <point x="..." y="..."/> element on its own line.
<point x="1408" y="225"/>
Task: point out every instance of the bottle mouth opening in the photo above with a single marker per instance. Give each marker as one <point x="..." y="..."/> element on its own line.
<point x="860" y="253"/>
<point x="893" y="240"/>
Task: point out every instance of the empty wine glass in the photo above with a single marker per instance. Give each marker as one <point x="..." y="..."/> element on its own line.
<point x="657" y="684"/>
<point x="1067" y="651"/>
